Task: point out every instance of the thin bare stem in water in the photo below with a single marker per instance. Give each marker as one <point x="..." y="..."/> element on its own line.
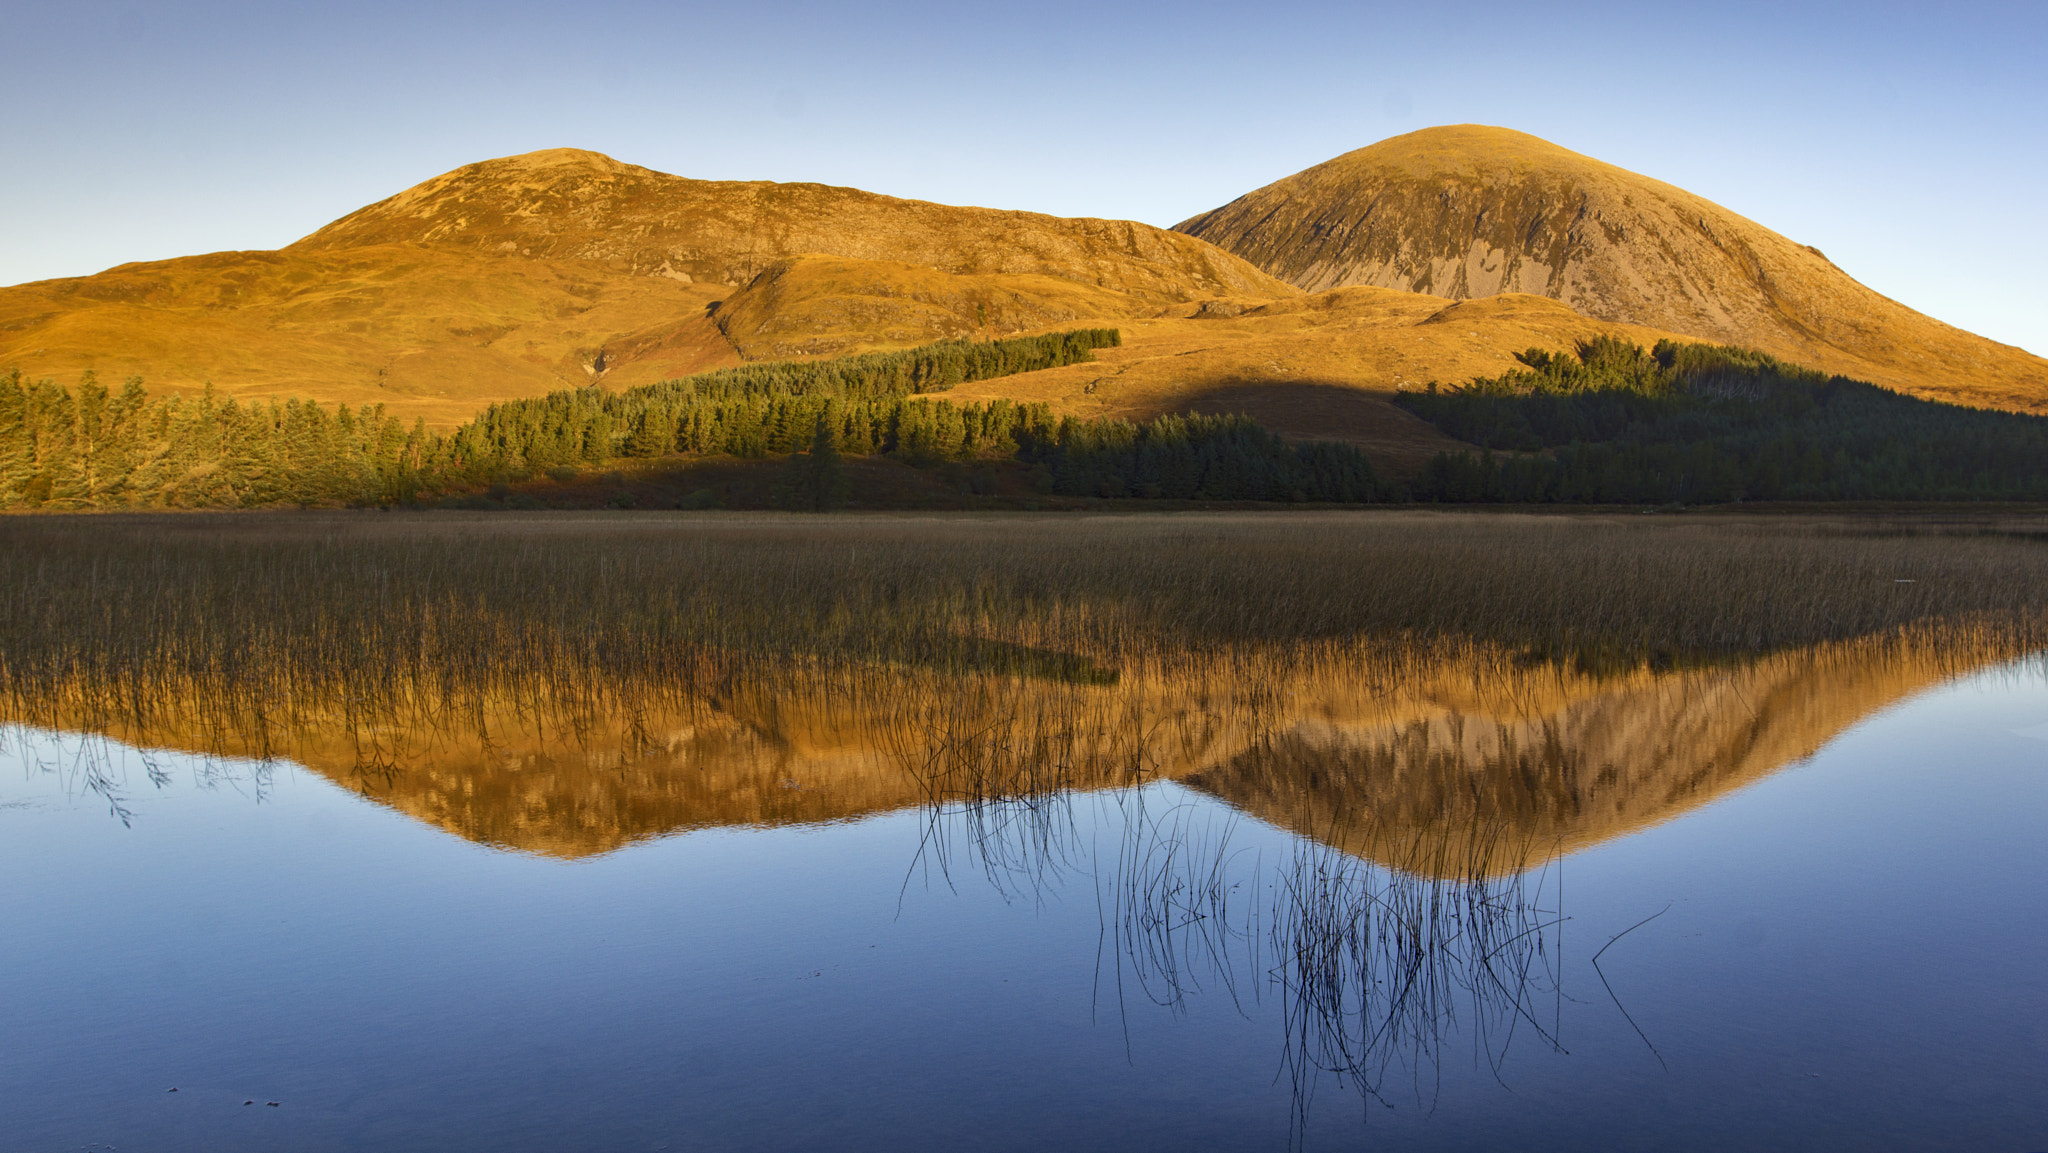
<point x="1604" y="983"/>
<point x="89" y="765"/>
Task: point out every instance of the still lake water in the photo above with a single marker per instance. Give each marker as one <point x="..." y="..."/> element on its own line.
<point x="1843" y="946"/>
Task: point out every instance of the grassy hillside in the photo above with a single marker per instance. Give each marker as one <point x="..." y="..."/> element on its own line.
<point x="429" y="334"/>
<point x="1684" y="423"/>
<point x="1327" y="366"/>
<point x="825" y="306"/>
<point x="520" y="276"/>
<point x="101" y="448"/>
<point x="567" y="204"/>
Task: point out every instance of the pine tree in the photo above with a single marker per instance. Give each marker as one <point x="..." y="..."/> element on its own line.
<point x="814" y="481"/>
<point x="17" y="439"/>
<point x="654" y="436"/>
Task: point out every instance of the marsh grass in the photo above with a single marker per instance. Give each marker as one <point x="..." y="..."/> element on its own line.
<point x="251" y="625"/>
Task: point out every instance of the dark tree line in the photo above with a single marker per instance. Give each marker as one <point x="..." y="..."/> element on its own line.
<point x="572" y="429"/>
<point x="929" y="368"/>
<point x="90" y="448"/>
<point x="1702" y="423"/>
<point x="96" y="448"/>
<point x="812" y="481"/>
<point x="772" y="409"/>
<point x="1196" y="458"/>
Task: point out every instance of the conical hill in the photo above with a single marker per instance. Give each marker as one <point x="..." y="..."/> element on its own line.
<point x="1472" y="211"/>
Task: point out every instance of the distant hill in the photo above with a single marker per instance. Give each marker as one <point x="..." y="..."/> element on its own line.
<point x="1471" y="211"/>
<point x="431" y="334"/>
<point x="514" y="277"/>
<point x="567" y="204"/>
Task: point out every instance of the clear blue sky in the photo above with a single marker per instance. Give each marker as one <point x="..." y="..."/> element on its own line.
<point x="1908" y="142"/>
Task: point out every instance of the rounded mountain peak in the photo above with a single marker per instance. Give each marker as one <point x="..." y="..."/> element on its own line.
<point x="1460" y="210"/>
<point x="1467" y="147"/>
<point x="558" y="158"/>
<point x="571" y="204"/>
<point x="1471" y="210"/>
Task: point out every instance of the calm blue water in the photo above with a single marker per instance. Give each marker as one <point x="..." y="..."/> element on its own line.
<point x="1850" y="954"/>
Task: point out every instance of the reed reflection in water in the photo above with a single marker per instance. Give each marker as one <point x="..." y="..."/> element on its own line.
<point x="1418" y="914"/>
<point x="1379" y="967"/>
<point x="92" y="766"/>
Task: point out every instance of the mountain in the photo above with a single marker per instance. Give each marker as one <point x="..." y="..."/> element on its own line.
<point x="429" y="334"/>
<point x="517" y="276"/>
<point x="565" y="203"/>
<point x="1471" y="211"/>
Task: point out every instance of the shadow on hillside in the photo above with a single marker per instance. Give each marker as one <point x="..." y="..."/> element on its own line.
<point x="1398" y="442"/>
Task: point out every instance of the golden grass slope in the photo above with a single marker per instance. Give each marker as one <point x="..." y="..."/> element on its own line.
<point x="1325" y="366"/>
<point x="443" y="334"/>
<point x="829" y="306"/>
<point x="558" y="269"/>
<point x="1471" y="211"/>
<point x="568" y="204"/>
<point x="430" y="334"/>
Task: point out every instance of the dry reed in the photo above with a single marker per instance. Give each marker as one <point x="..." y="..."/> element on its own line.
<point x="244" y="623"/>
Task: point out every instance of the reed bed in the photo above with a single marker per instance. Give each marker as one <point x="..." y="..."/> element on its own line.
<point x="240" y="622"/>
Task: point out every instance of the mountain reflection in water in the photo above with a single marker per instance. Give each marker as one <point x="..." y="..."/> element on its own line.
<point x="1495" y="762"/>
<point x="1429" y="796"/>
